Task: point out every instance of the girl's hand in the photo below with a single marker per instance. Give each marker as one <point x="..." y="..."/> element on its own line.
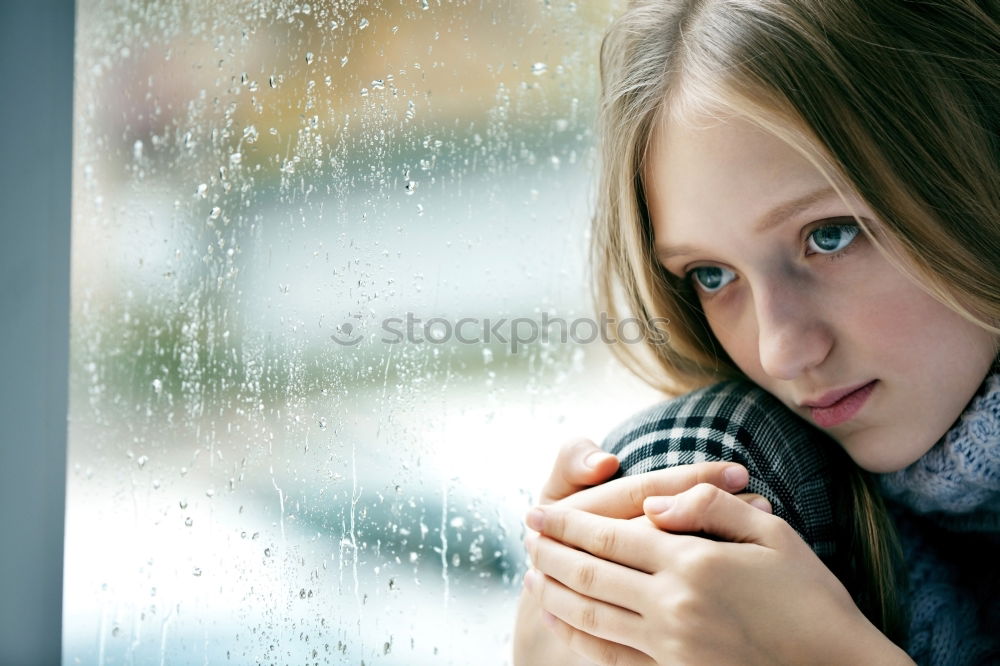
<point x="620" y="592"/>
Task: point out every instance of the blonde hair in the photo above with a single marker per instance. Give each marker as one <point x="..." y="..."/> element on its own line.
<point x="896" y="100"/>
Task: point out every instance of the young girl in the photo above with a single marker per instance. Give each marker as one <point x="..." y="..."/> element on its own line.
<point x="809" y="191"/>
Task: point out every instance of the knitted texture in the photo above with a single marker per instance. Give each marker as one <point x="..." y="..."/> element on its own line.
<point x="789" y="462"/>
<point x="957" y="482"/>
<point x="947" y="509"/>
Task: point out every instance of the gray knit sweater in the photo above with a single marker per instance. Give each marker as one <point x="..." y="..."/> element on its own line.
<point x="947" y="508"/>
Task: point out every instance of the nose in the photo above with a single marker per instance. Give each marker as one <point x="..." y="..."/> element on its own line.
<point x="792" y="334"/>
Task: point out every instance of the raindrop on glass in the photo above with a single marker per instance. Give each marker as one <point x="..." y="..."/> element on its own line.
<point x="309" y="57"/>
<point x="362" y="24"/>
<point x="539" y="68"/>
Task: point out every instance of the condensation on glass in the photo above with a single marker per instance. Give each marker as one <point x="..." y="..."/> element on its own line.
<point x="283" y="446"/>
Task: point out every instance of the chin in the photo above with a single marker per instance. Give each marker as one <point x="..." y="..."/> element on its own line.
<point x="873" y="458"/>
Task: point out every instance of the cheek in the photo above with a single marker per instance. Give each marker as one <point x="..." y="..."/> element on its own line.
<point x="738" y="337"/>
<point x="902" y="323"/>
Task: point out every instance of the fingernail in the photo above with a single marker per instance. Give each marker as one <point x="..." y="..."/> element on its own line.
<point x="530" y="580"/>
<point x="761" y="504"/>
<point x="736" y="476"/>
<point x="535" y="520"/>
<point x="658" y="504"/>
<point x="596" y="458"/>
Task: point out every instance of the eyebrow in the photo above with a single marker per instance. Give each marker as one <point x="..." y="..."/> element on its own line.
<point x="773" y="218"/>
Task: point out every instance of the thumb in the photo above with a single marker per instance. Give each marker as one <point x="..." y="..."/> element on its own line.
<point x="707" y="509"/>
<point x="580" y="464"/>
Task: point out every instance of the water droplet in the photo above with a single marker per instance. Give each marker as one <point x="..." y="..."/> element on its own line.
<point x="364" y="92"/>
<point x="183" y="504"/>
<point x="156" y="484"/>
<point x="214" y="215"/>
<point x="188" y="522"/>
<point x="362" y="24"/>
<point x="562" y="125"/>
<point x="343" y="61"/>
<point x="250" y="134"/>
<point x="457" y="521"/>
<point x="309" y="57"/>
<point x="306" y="9"/>
<point x="378" y="84"/>
<point x="487" y="355"/>
<point x="137" y="150"/>
<point x="235" y="158"/>
<point x="203" y="190"/>
<point x="334" y="25"/>
<point x="271" y="81"/>
<point x="157" y="386"/>
<point x="196" y="571"/>
<point x="420" y="209"/>
<point x="410" y="187"/>
<point x="141" y="461"/>
<point x="328" y="80"/>
<point x="425" y="5"/>
<point x="322" y="423"/>
<point x="209" y="493"/>
<point x="539" y="68"/>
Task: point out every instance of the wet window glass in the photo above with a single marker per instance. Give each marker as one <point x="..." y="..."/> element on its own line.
<point x="330" y="322"/>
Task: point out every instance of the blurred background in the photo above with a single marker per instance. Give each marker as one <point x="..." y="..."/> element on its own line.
<point x="256" y="474"/>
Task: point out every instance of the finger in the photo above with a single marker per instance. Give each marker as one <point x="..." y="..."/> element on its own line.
<point x="586" y="574"/>
<point x="590" y="616"/>
<point x="708" y="510"/>
<point x="579" y="464"/>
<point x="623" y="498"/>
<point x="623" y="541"/>
<point x="756" y="501"/>
<point x="594" y="649"/>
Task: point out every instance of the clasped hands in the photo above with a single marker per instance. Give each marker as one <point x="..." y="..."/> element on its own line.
<point x="625" y="575"/>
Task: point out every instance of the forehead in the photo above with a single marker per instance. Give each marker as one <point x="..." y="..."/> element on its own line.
<point x="707" y="168"/>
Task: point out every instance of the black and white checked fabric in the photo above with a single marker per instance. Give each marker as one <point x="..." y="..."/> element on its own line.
<point x="790" y="462"/>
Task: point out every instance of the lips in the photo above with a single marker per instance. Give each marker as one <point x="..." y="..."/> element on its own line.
<point x="844" y="409"/>
<point x="830" y="397"/>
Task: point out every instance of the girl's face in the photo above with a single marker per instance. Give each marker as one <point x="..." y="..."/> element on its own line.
<point x="801" y="300"/>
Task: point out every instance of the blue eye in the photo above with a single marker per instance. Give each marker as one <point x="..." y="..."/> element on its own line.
<point x="832" y="238"/>
<point x="711" y="278"/>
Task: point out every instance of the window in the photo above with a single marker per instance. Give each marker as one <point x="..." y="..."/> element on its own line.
<point x="311" y="243"/>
